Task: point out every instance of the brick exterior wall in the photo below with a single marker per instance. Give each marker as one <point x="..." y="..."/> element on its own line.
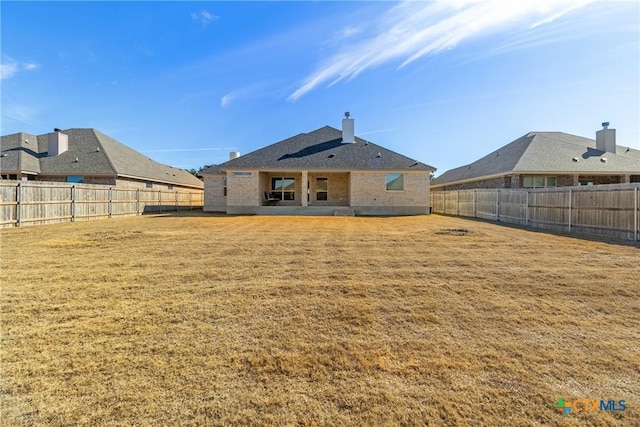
<point x="120" y="183"/>
<point x="567" y="180"/>
<point x="244" y="190"/>
<point x="215" y="199"/>
<point x="500" y="182"/>
<point x="602" y="179"/>
<point x="369" y="189"/>
<point x="517" y="181"/>
<point x="102" y="180"/>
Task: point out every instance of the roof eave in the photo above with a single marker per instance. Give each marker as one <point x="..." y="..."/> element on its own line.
<point x="160" y="181"/>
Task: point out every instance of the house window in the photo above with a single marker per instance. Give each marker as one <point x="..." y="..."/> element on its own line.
<point x="539" y="181"/>
<point x="224" y="188"/>
<point x="149" y="184"/>
<point x="169" y="186"/>
<point x="283" y="188"/>
<point x="322" y="189"/>
<point x="395" y="181"/>
<point x="75" y="178"/>
<point x="243" y="174"/>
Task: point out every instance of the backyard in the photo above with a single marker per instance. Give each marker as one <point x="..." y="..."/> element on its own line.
<point x="195" y="319"/>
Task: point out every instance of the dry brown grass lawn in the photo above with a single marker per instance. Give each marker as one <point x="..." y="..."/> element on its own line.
<point x="205" y="320"/>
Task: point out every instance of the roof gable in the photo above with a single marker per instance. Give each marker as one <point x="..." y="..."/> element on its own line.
<point x="323" y="149"/>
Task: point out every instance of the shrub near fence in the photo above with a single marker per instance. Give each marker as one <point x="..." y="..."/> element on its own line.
<point x="32" y="203"/>
<point x="603" y="210"/>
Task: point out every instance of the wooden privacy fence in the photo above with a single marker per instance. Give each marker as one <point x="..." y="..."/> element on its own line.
<point x="31" y="203"/>
<point x="603" y="210"/>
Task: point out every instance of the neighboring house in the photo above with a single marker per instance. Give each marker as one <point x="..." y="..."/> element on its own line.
<point x="324" y="172"/>
<point x="87" y="156"/>
<point x="548" y="159"/>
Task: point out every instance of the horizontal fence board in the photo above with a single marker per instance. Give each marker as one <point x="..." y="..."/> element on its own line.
<point x="32" y="202"/>
<point x="604" y="210"/>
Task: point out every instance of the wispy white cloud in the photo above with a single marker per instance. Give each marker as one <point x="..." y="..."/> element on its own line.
<point x="107" y="83"/>
<point x="22" y="114"/>
<point x="10" y="67"/>
<point x="413" y="29"/>
<point x="8" y="70"/>
<point x="349" y="31"/>
<point x="251" y="91"/>
<point x="204" y="17"/>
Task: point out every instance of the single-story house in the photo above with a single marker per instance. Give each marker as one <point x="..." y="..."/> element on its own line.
<point x="323" y="172"/>
<point x="87" y="156"/>
<point x="548" y="159"/>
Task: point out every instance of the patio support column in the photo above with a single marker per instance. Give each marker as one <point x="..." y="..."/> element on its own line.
<point x="304" y="183"/>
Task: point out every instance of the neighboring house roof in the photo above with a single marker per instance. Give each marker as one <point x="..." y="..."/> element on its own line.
<point x="20" y="153"/>
<point x="546" y="152"/>
<point x="96" y="154"/>
<point x="321" y="149"/>
<point x="212" y="170"/>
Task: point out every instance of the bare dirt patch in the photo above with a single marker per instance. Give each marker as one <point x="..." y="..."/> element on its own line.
<point x="208" y="320"/>
<point x="454" y="231"/>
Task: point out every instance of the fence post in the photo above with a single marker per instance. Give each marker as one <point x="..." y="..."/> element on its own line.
<point x="498" y="205"/>
<point x="176" y="201"/>
<point x="526" y="209"/>
<point x="473" y="192"/>
<point x="444" y="202"/>
<point x="636" y="231"/>
<point x="457" y="202"/>
<point x="137" y="201"/>
<point x="190" y="200"/>
<point x="19" y="204"/>
<point x="110" y="211"/>
<point x="73" y="203"/>
<point x="570" y="194"/>
<point x="160" y="201"/>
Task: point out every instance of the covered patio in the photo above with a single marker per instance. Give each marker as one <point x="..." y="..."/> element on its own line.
<point x="304" y="189"/>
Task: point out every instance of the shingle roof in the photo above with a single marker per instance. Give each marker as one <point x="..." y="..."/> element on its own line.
<point x="322" y="149"/>
<point x="212" y="170"/>
<point x="97" y="154"/>
<point x="20" y="153"/>
<point x="546" y="152"/>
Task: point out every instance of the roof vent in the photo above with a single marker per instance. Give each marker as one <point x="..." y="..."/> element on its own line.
<point x="575" y="159"/>
<point x="233" y="155"/>
<point x="379" y="155"/>
<point x="603" y="159"/>
<point x="98" y="150"/>
<point x="331" y="156"/>
<point x="76" y="160"/>
<point x="605" y="125"/>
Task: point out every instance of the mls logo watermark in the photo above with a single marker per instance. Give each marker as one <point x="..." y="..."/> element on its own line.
<point x="588" y="405"/>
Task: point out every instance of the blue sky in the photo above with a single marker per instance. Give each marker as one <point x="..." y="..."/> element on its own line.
<point x="444" y="82"/>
